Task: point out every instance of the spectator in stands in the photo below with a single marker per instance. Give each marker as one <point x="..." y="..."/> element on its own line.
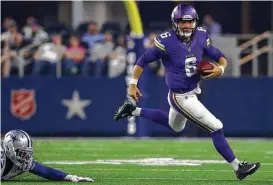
<point x="117" y="59"/>
<point x="149" y="41"/>
<point x="156" y="67"/>
<point x="92" y="36"/>
<point x="38" y="34"/>
<point x="101" y="52"/>
<point x="74" y="55"/>
<point x="48" y="55"/>
<point x="27" y="29"/>
<point x="211" y="25"/>
<point x="8" y="21"/>
<point x="12" y="56"/>
<point x="10" y="34"/>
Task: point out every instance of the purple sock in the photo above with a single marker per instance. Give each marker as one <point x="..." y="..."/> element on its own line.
<point x="157" y="116"/>
<point x="221" y="145"/>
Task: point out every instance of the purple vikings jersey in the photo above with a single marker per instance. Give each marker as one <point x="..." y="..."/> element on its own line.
<point x="179" y="59"/>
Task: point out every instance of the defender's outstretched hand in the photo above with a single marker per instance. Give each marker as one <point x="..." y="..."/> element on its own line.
<point x="134" y="92"/>
<point x="213" y="73"/>
<point x="75" y="178"/>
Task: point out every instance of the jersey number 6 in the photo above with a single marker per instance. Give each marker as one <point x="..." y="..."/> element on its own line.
<point x="164" y="35"/>
<point x="190" y="66"/>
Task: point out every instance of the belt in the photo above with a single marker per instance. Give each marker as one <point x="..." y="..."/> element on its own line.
<point x="179" y="91"/>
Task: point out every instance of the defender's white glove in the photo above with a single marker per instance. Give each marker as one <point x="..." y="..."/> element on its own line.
<point x="75" y="178"/>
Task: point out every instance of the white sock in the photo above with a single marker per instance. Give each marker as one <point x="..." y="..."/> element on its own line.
<point x="235" y="164"/>
<point x="136" y="112"/>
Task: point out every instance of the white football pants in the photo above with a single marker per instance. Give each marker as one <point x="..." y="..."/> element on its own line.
<point x="187" y="106"/>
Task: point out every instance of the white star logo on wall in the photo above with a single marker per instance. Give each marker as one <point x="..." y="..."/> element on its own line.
<point x="76" y="106"/>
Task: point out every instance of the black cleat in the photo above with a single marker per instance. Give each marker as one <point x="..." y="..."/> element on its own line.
<point x="125" y="110"/>
<point x="246" y="168"/>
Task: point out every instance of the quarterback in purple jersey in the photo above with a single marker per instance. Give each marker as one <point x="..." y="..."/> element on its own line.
<point x="181" y="50"/>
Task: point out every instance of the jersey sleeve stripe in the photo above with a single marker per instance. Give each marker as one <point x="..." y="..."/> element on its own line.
<point x="161" y="45"/>
<point x="208" y="42"/>
<point x="158" y="46"/>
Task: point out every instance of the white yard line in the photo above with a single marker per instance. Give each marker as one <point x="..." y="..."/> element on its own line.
<point x="87" y="163"/>
<point x="167" y="170"/>
<point x="178" y="178"/>
<point x="147" y="162"/>
<point x="158" y="162"/>
<point x="145" y="139"/>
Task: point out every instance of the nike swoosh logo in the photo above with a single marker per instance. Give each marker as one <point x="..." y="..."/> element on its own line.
<point x="252" y="168"/>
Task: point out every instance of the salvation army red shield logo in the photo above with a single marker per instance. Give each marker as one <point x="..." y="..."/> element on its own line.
<point x="23" y="103"/>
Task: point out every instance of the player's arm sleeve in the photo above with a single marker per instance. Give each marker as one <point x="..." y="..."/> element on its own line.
<point x="211" y="51"/>
<point x="150" y="55"/>
<point x="47" y="172"/>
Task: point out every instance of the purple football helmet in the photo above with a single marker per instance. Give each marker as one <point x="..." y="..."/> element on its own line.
<point x="187" y="13"/>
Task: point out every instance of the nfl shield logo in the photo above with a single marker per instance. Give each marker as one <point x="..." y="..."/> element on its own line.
<point x="23" y="103"/>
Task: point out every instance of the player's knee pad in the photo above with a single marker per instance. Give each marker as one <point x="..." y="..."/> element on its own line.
<point x="212" y="122"/>
<point x="218" y="125"/>
<point x="177" y="126"/>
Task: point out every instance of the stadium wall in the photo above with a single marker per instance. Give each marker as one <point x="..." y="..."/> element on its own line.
<point x="84" y="106"/>
<point x="244" y="105"/>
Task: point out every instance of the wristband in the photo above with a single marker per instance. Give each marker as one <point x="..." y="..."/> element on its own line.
<point x="223" y="69"/>
<point x="133" y="81"/>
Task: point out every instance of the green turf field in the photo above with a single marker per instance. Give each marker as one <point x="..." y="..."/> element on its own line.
<point x="153" y="158"/>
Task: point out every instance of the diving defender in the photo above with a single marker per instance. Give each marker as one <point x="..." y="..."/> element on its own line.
<point x="17" y="158"/>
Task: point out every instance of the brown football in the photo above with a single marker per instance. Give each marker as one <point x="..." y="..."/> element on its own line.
<point x="203" y="66"/>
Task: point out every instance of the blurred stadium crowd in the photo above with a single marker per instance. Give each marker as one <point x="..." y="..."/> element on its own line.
<point x="86" y="51"/>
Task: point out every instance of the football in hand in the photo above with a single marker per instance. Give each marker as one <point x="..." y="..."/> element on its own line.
<point x="203" y="66"/>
